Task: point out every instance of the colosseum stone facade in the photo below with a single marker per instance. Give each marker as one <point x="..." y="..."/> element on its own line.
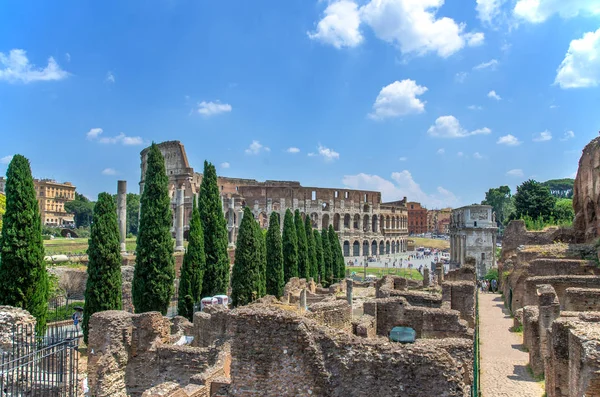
<point x="366" y="226"/>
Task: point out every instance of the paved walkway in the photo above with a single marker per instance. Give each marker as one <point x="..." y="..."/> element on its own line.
<point x="503" y="363"/>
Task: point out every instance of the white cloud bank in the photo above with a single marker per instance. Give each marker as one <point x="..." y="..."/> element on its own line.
<point x="536" y="11"/>
<point x="340" y="25"/>
<point x="581" y="66"/>
<point x="94" y="135"/>
<point x="508" y="140"/>
<point x="256" y="147"/>
<point x="6" y="159"/>
<point x="398" y="99"/>
<point x="492" y="94"/>
<point x="293" y="150"/>
<point x="15" y="68"/>
<point x="449" y="127"/>
<point x="517" y="172"/>
<point x="542" y="136"/>
<point x="109" y="171"/>
<point x="208" y="109"/>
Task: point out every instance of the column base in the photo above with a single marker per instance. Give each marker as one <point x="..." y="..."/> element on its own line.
<point x="180" y="249"/>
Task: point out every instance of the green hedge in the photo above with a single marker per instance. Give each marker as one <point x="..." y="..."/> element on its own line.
<point x="64" y="312"/>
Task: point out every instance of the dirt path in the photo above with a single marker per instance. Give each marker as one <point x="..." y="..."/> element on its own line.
<point x="503" y="363"/>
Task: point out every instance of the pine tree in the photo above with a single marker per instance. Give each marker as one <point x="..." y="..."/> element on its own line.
<point x="103" y="287"/>
<point x="312" y="255"/>
<point x="318" y="256"/>
<point x="245" y="276"/>
<point x="154" y="272"/>
<point x="261" y="287"/>
<point x="214" y="225"/>
<point x="338" y="265"/>
<point x="192" y="268"/>
<point x="326" y="270"/>
<point x="274" y="272"/>
<point x="23" y="276"/>
<point x="290" y="247"/>
<point x="303" y="270"/>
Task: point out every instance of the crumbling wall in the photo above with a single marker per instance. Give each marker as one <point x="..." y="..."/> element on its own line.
<point x="516" y="234"/>
<point x="461" y="296"/>
<point x="335" y="314"/>
<point x="12" y="318"/>
<point x="586" y="192"/>
<point x="582" y="299"/>
<point x="278" y="353"/>
<point x="463" y="273"/>
<point x="365" y="326"/>
<point x="395" y="286"/>
<point x="560" y="285"/>
<point x="210" y="325"/>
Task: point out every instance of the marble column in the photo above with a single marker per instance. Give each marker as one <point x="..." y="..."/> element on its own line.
<point x="179" y="219"/>
<point x="122" y="213"/>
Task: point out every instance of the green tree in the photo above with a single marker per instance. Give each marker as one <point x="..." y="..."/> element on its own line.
<point x="2" y="208"/>
<point x="533" y="200"/>
<point x="261" y="280"/>
<point x="303" y="270"/>
<point x="339" y="265"/>
<point x="563" y="211"/>
<point x="327" y="268"/>
<point x="312" y="254"/>
<point x="216" y="276"/>
<point x="290" y="247"/>
<point x="274" y="273"/>
<point x="501" y="200"/>
<point x="103" y="287"/>
<point x="245" y="276"/>
<point x="133" y="213"/>
<point x="560" y="188"/>
<point x="318" y="255"/>
<point x="82" y="210"/>
<point x="154" y="271"/>
<point x="192" y="268"/>
<point x="23" y="275"/>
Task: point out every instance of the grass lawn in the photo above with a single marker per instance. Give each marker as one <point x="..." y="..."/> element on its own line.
<point x="75" y="246"/>
<point x="430" y="243"/>
<point x="380" y="272"/>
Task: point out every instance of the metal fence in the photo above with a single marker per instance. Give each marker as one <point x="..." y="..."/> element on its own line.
<point x="475" y="388"/>
<point x="35" y="366"/>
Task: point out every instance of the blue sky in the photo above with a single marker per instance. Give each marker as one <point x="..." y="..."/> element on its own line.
<point x="434" y="100"/>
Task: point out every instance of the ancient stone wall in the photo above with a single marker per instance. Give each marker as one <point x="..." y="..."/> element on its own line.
<point x="365" y="326"/>
<point x="277" y="353"/>
<point x="560" y="285"/>
<point x="335" y="314"/>
<point x="582" y="299"/>
<point x="461" y="297"/>
<point x="11" y="317"/>
<point x="586" y="192"/>
<point x="463" y="273"/>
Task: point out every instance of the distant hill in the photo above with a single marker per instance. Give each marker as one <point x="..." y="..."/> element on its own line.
<point x="561" y="188"/>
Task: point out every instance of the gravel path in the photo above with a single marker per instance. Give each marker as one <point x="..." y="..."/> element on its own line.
<point x="503" y="363"/>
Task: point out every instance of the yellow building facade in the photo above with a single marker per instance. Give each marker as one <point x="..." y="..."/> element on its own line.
<point x="52" y="196"/>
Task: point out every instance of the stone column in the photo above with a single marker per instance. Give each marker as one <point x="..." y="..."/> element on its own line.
<point x="549" y="310"/>
<point x="303" y="299"/>
<point x="426" y="276"/>
<point x="349" y="287"/>
<point x="179" y="220"/>
<point x="439" y="271"/>
<point x="122" y="213"/>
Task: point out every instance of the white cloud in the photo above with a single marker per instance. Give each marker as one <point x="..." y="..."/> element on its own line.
<point x="516" y="172"/>
<point x="508" y="140"/>
<point x="490" y="64"/>
<point x="414" y="27"/>
<point x="542" y="136"/>
<point x="311" y="154"/>
<point x="460" y="77"/>
<point x="474" y="107"/>
<point x="553" y="106"/>
<point x="93" y="133"/>
<point x="449" y="127"/>
<point x="225" y="165"/>
<point x="401" y="185"/>
<point x="121" y="138"/>
<point x="293" y="150"/>
<point x="15" y="67"/>
<point x="340" y="25"/>
<point x="68" y="57"/>
<point x="441" y="151"/>
<point x="581" y="66"/>
<point x="6" y="159"/>
<point x="492" y="94"/>
<point x="398" y="99"/>
<point x="460" y="154"/>
<point x="109" y="171"/>
<point x="488" y="11"/>
<point x="110" y="77"/>
<point x="213" y="108"/>
<point x="536" y="11"/>
<point x="256" y="147"/>
<point x="568" y="135"/>
<point x="328" y="154"/>
<point x="403" y="159"/>
<point x="477" y="156"/>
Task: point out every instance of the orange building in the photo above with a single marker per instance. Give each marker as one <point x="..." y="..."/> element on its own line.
<point x="417" y="218"/>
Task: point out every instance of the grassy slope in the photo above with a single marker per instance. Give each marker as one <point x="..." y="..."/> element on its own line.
<point x="430" y="243"/>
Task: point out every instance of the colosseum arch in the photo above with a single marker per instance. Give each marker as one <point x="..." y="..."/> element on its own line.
<point x="365" y="248"/>
<point x="347" y="221"/>
<point x="393" y="222"/>
<point x="336" y="222"/>
<point x="346" y="248"/>
<point x="263" y="220"/>
<point x="366" y="223"/>
<point x="356" y="221"/>
<point x="381" y="222"/>
<point x="393" y="247"/>
<point x="381" y="247"/>
<point x="356" y="248"/>
<point x="387" y="222"/>
<point x="387" y="247"/>
<point x="374" y="224"/>
<point x="325" y="221"/>
<point x="314" y="218"/>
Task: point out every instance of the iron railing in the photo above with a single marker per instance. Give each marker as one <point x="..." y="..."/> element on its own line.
<point x="34" y="366"/>
<point x="475" y="387"/>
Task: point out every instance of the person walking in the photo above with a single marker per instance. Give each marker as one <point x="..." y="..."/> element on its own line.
<point x="494" y="285"/>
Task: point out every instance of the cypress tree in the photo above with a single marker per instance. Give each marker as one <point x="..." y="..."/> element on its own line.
<point x="245" y="275"/>
<point x="318" y="255"/>
<point x="303" y="270"/>
<point x="214" y="225"/>
<point x="261" y="287"/>
<point x="326" y="270"/>
<point x="312" y="255"/>
<point x="338" y="265"/>
<point x="154" y="272"/>
<point x="274" y="272"/>
<point x="192" y="268"/>
<point x="290" y="247"/>
<point x="103" y="287"/>
<point x="23" y="276"/>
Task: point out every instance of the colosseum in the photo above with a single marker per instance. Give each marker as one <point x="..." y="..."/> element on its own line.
<point x="366" y="226"/>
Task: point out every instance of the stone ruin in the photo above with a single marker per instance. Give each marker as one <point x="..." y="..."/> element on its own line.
<point x="550" y="281"/>
<point x="314" y="341"/>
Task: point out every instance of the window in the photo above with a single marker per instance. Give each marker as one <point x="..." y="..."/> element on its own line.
<point x="313" y="195"/>
<point x="221" y="187"/>
<point x="475" y="224"/>
<point x="365" y="197"/>
<point x="346" y="194"/>
<point x="483" y="256"/>
<point x="335" y="194"/>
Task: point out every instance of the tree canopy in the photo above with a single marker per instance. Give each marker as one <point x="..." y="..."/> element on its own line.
<point x="560" y="188"/>
<point x="2" y="208"/>
<point x="534" y="200"/>
<point x="245" y="277"/>
<point x="290" y="247"/>
<point x="82" y="209"/>
<point x="501" y="201"/>
<point x="274" y="273"/>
